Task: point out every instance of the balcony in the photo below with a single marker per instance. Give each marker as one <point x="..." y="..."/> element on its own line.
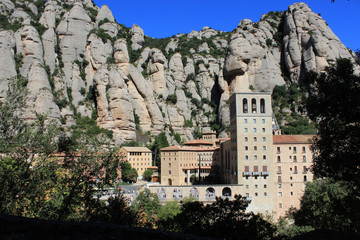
<point x="278" y="172"/>
<point x="264" y="173"/>
<point x="256" y="173"/>
<point x="246" y="174"/>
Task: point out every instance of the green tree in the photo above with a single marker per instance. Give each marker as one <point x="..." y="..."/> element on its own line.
<point x="128" y="173"/>
<point x="329" y="204"/>
<point x="159" y="142"/>
<point x="169" y="210"/>
<point x="223" y="219"/>
<point x="148" y="203"/>
<point x="35" y="183"/>
<point x="148" y="174"/>
<point x="334" y="104"/>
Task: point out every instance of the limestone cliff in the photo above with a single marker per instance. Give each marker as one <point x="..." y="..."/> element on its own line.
<point x="78" y="61"/>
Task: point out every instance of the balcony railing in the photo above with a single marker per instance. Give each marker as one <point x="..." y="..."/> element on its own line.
<point x="246" y="174"/>
<point x="264" y="173"/>
<point x="256" y="173"/>
<point x="278" y="172"/>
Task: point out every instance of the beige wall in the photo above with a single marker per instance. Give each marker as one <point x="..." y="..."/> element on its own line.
<point x="177" y="166"/>
<point x="292" y="171"/>
<point x="252" y="148"/>
<point x="138" y="160"/>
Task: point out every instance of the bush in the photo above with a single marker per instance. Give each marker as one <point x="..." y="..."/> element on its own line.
<point x="147" y="175"/>
<point x="269" y="42"/>
<point x="172" y="98"/>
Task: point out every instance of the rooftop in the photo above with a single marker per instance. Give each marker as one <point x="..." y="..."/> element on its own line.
<point x="292" y="138"/>
<point x="198" y="142"/>
<point x="136" y="149"/>
<point x="189" y="148"/>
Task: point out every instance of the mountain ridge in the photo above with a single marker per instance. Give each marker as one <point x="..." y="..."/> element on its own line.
<point x="80" y="63"/>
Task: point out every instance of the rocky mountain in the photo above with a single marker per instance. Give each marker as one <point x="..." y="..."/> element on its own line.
<point x="79" y="62"/>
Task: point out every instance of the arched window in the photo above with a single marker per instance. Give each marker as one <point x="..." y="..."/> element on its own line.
<point x="226" y="192"/>
<point x="262" y="105"/>
<point x="245" y="105"/>
<point x="253" y="105"/>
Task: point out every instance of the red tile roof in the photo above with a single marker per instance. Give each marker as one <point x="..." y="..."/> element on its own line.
<point x="292" y="139"/>
<point x="189" y="148"/>
<point x="198" y="142"/>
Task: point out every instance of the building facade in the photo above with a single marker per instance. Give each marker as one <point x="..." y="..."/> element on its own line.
<point x="249" y="154"/>
<point x="180" y="165"/>
<point x="293" y="159"/>
<point x="140" y="158"/>
<point x="270" y="169"/>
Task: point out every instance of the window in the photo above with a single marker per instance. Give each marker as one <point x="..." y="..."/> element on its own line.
<point x="304" y="158"/>
<point x="247" y="186"/>
<point x="169" y="171"/>
<point x="254" y="120"/>
<point x="265" y="194"/>
<point x="279" y="194"/>
<point x="279" y="170"/>
<point x="280" y="205"/>
<point x="279" y="185"/>
<point x="246" y="148"/>
<point x="246" y="157"/>
<point x="290" y="178"/>
<point x="263" y="130"/>
<point x="245" y="105"/>
<point x="256" y="186"/>
<point x="265" y="186"/>
<point x="254" y="130"/>
<point x="279" y="178"/>
<point x="255" y="148"/>
<point x="289" y="148"/>
<point x="278" y="150"/>
<point x="264" y="139"/>
<point x="294" y="149"/>
<point x="255" y="139"/>
<point x="245" y="120"/>
<point x="256" y="194"/>
<point x="295" y="159"/>
<point x="305" y="178"/>
<point x="246" y="130"/>
<point x="263" y="120"/>
<point x="264" y="148"/>
<point x="255" y="157"/>
<point x="264" y="157"/>
<point x="291" y="193"/>
<point x="278" y="159"/>
<point x="262" y="105"/>
<point x="246" y="139"/>
<point x="304" y="149"/>
<point x="253" y="105"/>
<point x="169" y="164"/>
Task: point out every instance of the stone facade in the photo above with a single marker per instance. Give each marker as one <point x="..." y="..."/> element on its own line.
<point x="292" y="170"/>
<point x="140" y="158"/>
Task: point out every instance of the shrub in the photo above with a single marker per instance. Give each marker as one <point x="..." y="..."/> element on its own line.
<point x="172" y="98"/>
<point x="269" y="42"/>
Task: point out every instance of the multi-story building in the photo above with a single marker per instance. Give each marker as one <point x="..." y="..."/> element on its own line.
<point x="292" y="169"/>
<point x="248" y="156"/>
<point x="140" y="158"/>
<point x="270" y="170"/>
<point x="198" y="158"/>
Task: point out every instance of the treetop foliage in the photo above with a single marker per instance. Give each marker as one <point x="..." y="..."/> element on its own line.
<point x="334" y="104"/>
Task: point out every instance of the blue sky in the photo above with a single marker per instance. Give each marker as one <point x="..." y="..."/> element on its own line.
<point x="164" y="18"/>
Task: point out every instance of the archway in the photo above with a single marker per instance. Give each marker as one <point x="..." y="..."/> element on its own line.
<point x="210" y="193"/>
<point x="226" y="192"/>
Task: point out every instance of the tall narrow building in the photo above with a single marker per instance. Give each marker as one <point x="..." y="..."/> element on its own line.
<point x="250" y="152"/>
